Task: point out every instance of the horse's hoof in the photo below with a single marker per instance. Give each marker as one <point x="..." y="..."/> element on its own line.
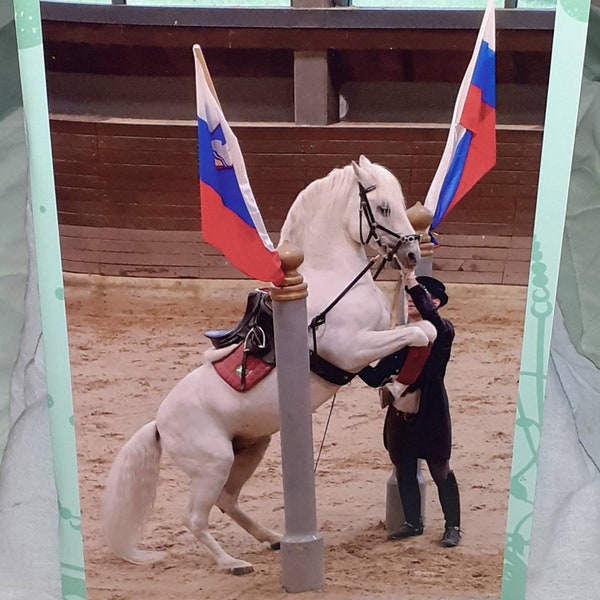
<point x="242" y="570"/>
<point x="276" y="546"/>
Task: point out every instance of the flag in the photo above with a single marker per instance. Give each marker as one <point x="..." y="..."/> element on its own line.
<point x="470" y="150"/>
<point x="231" y="221"/>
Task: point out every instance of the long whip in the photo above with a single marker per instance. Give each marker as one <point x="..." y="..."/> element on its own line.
<point x="325" y="432"/>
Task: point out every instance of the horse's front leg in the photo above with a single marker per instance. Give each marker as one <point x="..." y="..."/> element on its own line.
<point x="369" y="346"/>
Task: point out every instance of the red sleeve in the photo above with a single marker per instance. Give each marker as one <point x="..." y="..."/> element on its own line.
<point x="414" y="363"/>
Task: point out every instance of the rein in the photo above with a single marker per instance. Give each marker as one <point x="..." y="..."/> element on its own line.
<point x="365" y="211"/>
<point x="319" y="319"/>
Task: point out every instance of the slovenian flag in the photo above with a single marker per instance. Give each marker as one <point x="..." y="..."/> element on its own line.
<point x="231" y="221"/>
<point x="470" y="151"/>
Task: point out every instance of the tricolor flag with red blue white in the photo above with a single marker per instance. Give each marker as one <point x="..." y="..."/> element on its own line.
<point x="470" y="151"/>
<point x="231" y="221"/>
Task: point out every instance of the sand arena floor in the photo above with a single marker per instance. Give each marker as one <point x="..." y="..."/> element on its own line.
<point x="131" y="340"/>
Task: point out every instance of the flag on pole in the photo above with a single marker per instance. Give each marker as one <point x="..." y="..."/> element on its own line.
<point x="231" y="221"/>
<point x="470" y="150"/>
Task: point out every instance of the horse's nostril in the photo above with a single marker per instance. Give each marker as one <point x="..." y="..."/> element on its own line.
<point x="412" y="258"/>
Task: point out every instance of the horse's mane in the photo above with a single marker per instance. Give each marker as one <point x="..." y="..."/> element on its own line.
<point x="319" y="198"/>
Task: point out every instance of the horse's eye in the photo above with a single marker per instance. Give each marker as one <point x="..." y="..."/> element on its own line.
<point x="384" y="209"/>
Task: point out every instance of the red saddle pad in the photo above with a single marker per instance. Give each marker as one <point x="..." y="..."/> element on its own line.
<point x="230" y="369"/>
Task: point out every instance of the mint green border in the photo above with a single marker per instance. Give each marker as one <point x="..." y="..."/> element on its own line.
<point x="559" y="133"/>
<point x="570" y="31"/>
<point x="50" y="283"/>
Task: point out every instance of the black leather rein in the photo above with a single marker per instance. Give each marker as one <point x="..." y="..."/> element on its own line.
<point x="322" y="367"/>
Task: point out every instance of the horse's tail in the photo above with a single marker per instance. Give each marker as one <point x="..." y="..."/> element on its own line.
<point x="129" y="494"/>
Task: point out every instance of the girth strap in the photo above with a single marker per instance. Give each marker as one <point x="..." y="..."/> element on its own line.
<point x="328" y="371"/>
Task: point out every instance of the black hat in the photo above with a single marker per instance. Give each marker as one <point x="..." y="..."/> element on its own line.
<point x="435" y="287"/>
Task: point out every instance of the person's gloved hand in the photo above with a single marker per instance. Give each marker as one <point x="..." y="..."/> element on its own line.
<point x="407" y="273"/>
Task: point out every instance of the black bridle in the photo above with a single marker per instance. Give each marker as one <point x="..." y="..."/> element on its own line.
<point x="388" y="253"/>
<point x="366" y="213"/>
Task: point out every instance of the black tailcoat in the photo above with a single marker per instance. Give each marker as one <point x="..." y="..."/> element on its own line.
<point x="427" y="434"/>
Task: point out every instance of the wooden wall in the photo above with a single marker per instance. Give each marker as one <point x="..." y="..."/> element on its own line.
<point x="128" y="204"/>
<point x="121" y="94"/>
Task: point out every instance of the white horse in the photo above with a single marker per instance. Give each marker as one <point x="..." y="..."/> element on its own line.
<point x="218" y="436"/>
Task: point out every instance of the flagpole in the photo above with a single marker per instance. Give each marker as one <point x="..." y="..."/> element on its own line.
<point x="202" y="62"/>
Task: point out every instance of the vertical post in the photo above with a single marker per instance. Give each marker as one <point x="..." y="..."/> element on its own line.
<point x="316" y="102"/>
<point x="420" y="218"/>
<point x="302" y="562"/>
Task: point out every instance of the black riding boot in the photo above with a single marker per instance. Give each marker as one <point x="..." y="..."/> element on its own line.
<point x="410" y="495"/>
<point x="450" y="502"/>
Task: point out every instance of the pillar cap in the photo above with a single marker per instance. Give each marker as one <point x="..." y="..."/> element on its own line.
<point x="294" y="287"/>
<point x="420" y="217"/>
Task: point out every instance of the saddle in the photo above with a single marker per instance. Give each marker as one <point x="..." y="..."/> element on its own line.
<point x="255" y="340"/>
<point x="254" y="355"/>
<point x="255" y="329"/>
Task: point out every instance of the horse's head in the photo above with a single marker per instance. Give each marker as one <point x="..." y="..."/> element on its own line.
<point x="383" y="223"/>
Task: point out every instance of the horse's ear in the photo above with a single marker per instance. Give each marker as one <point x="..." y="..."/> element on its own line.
<point x="361" y="174"/>
<point x="363" y="161"/>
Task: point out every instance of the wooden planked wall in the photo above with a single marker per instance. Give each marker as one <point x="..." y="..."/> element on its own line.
<point x="127" y="193"/>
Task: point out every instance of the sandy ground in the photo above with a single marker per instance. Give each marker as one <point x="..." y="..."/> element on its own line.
<point x="131" y="340"/>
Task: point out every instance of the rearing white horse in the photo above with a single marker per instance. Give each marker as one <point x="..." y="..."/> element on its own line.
<point x="218" y="436"/>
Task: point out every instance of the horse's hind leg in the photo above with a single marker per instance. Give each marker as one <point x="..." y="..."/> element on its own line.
<point x="247" y="458"/>
<point x="206" y="486"/>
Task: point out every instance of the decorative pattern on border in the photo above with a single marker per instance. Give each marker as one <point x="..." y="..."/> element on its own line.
<point x="528" y="426"/>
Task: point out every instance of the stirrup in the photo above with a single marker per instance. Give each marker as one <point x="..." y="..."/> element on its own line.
<point x="258" y="310"/>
